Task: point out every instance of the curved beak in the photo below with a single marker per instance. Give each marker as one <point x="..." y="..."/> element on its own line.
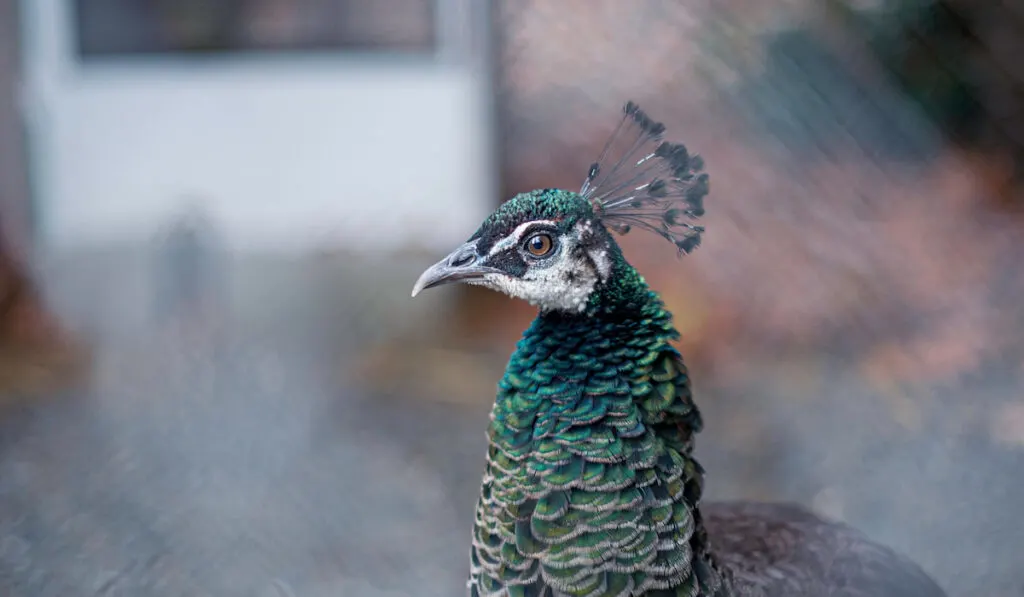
<point x="460" y="265"/>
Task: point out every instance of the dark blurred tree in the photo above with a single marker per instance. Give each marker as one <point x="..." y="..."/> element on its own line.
<point x="960" y="62"/>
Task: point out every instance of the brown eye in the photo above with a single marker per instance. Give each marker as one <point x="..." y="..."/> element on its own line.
<point x="539" y="245"/>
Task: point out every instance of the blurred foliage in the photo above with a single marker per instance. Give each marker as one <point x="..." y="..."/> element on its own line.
<point x="36" y="355"/>
<point x="822" y="239"/>
<point x="959" y="62"/>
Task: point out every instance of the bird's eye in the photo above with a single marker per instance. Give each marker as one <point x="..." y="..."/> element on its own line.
<point x="539" y="245"/>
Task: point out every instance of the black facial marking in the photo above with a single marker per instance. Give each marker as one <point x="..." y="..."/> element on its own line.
<point x="509" y="261"/>
<point x="488" y="236"/>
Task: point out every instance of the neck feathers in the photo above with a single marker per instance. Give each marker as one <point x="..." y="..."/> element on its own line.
<point x="591" y="487"/>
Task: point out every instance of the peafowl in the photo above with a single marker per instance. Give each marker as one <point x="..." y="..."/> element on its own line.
<point x="590" y="486"/>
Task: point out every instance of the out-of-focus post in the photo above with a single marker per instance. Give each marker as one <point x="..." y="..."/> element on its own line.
<point x="28" y="331"/>
<point x="15" y="220"/>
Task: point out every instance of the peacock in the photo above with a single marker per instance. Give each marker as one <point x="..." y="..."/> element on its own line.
<point x="590" y="486"/>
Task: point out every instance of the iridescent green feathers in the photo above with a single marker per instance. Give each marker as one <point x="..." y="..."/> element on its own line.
<point x="590" y="487"/>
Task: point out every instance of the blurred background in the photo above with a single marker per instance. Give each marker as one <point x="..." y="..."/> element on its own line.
<point x="213" y="380"/>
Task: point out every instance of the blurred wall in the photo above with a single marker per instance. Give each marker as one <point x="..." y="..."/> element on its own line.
<point x="286" y="151"/>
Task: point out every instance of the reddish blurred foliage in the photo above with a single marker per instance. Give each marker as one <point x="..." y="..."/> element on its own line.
<point x="905" y="267"/>
<point x="23" y="319"/>
<point x="35" y="353"/>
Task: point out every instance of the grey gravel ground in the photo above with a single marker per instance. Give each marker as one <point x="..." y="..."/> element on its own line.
<point x="243" y="459"/>
<point x="225" y="460"/>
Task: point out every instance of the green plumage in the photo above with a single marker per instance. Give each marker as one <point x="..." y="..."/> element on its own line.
<point x="590" y="485"/>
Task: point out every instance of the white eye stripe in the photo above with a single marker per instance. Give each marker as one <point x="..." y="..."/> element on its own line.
<point x="514" y="237"/>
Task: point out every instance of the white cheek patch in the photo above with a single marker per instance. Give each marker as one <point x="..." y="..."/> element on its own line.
<point x="564" y="286"/>
<point x="599" y="256"/>
<point x="603" y="264"/>
<point x="550" y="291"/>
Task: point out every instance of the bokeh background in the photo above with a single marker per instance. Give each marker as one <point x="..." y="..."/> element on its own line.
<point x="214" y="381"/>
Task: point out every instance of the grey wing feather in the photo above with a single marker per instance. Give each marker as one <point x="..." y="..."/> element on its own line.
<point x="780" y="550"/>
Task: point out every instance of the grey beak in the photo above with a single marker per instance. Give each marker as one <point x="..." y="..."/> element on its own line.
<point x="460" y="265"/>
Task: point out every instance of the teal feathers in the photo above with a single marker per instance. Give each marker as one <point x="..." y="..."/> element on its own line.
<point x="590" y="485"/>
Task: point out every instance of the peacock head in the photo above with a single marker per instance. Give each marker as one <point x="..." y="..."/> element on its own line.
<point x="553" y="248"/>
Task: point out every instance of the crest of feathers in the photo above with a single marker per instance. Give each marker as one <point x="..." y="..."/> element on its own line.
<point x="640" y="181"/>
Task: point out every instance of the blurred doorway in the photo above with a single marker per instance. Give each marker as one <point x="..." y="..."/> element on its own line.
<point x="298" y="123"/>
